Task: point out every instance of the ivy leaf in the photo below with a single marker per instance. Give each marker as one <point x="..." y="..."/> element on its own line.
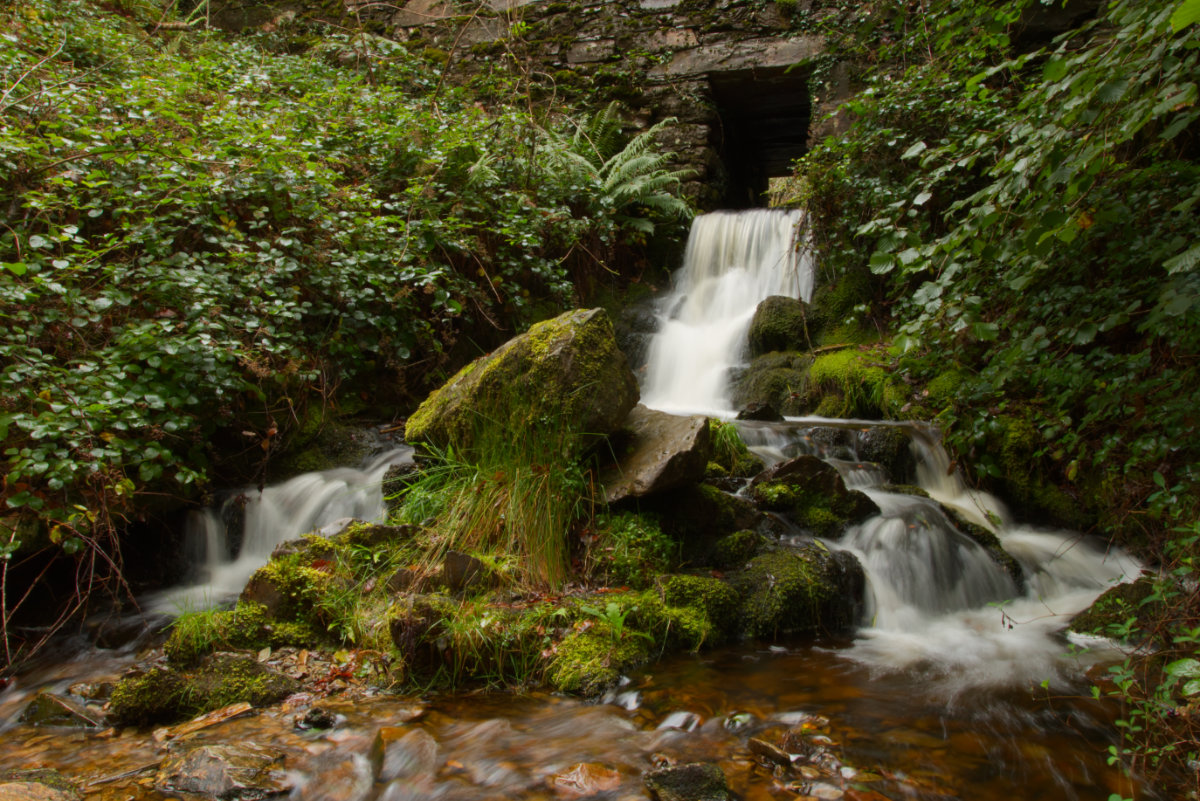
<point x="1054" y="70"/>
<point x="1187" y="13"/>
<point x="915" y="150"/>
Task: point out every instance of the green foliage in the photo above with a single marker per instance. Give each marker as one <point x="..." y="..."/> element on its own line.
<point x="630" y="549"/>
<point x="515" y="493"/>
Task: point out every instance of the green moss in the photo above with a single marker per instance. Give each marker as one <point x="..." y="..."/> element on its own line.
<point x="814" y="506"/>
<point x="697" y="610"/>
<point x="736" y="549"/>
<point x="848" y="383"/>
<point x="730" y="454"/>
<point x="630" y="549"/>
<point x="589" y="661"/>
<point x="167" y="694"/>
<point x="806" y="590"/>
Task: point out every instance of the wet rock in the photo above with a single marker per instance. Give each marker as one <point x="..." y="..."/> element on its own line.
<point x="39" y="784"/>
<point x="414" y="625"/>
<point x="781" y="324"/>
<point x="697" y="781"/>
<point x="120" y="632"/>
<point x="812" y="494"/>
<point x="401" y="753"/>
<point x="585" y="779"/>
<point x="769" y="752"/>
<point x="659" y="452"/>
<point x="808" y="590"/>
<point x="891" y="448"/>
<point x="33" y="791"/>
<point x="317" y="718"/>
<point x="761" y="411"/>
<point x="47" y="709"/>
<point x="240" y="772"/>
<point x="699" y="516"/>
<point x="167" y="694"/>
<point x="776" y="379"/>
<point x="337" y="777"/>
<point x="581" y="376"/>
<point x="990" y="543"/>
<point x="403" y="580"/>
<point x="92" y="691"/>
<point x="736" y="549"/>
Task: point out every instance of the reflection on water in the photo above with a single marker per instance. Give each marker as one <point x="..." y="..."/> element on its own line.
<point x="889" y="738"/>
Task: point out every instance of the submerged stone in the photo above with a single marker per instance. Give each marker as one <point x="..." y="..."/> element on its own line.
<point x="238" y="772"/>
<point x="661" y="452"/>
<point x="568" y="370"/>
<point x="697" y="781"/>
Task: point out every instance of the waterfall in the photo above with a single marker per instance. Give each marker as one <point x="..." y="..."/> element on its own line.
<point x="228" y="555"/>
<point x="733" y="261"/>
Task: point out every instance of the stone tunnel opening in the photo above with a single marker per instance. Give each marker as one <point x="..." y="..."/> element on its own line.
<point x="764" y="116"/>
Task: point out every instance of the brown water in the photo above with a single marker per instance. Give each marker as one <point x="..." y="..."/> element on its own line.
<point x="887" y="739"/>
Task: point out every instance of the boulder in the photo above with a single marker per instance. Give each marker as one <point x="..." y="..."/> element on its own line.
<point x="779" y="324"/>
<point x="808" y="590"/>
<point x="237" y="772"/>
<point x="779" y="380"/>
<point x="812" y="494"/>
<point x="760" y="411"/>
<point x="568" y="370"/>
<point x="891" y="448"/>
<point x="697" y="781"/>
<point x="661" y="452"/>
<point x="47" y="709"/>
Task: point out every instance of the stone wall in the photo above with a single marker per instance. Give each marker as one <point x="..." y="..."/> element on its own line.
<point x="733" y="72"/>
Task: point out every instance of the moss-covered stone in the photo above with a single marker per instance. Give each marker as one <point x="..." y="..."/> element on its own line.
<point x="730" y="454"/>
<point x="781" y="324"/>
<point x="852" y="383"/>
<point x="777" y="379"/>
<point x="698" y="610"/>
<point x="696" y="517"/>
<point x="167" y="694"/>
<point x="990" y="543"/>
<point x="1017" y="444"/>
<point x="1111" y="613"/>
<point x="891" y="448"/>
<point x="812" y="494"/>
<point x="245" y="627"/>
<point x="589" y="661"/>
<point x="810" y="590"/>
<point x="736" y="549"/>
<point x="581" y="376"/>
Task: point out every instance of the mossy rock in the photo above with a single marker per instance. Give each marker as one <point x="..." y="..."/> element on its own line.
<point x="891" y="448"/>
<point x="581" y="377"/>
<point x="853" y="383"/>
<point x="777" y="379"/>
<point x="1017" y="444"/>
<point x="812" y="494"/>
<point x="730" y="455"/>
<point x="810" y="590"/>
<point x="245" y="627"/>
<point x="168" y="694"/>
<point x="1109" y="614"/>
<point x="736" y="549"/>
<point x="782" y="323"/>
<point x="589" y="661"/>
<point x="696" y="517"/>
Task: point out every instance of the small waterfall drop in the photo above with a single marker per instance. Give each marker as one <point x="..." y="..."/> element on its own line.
<point x="270" y="516"/>
<point x="733" y="261"/>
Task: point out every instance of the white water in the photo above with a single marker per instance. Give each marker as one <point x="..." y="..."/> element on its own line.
<point x="273" y="516"/>
<point x="733" y="261"/>
<point x="939" y="605"/>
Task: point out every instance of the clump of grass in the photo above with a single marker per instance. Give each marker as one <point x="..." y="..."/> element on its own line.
<point x="514" y="492"/>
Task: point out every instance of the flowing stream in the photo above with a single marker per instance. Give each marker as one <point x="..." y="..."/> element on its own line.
<point x="958" y="685"/>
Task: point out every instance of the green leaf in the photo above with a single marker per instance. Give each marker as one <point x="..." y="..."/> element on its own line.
<point x="15" y="267"/>
<point x="882" y="263"/>
<point x="1054" y="70"/>
<point x="915" y="150"/>
<point x="985" y="332"/>
<point x="1185" y="262"/>
<point x="1187" y="13"/>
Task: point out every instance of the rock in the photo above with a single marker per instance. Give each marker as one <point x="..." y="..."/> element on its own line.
<point x="462" y="571"/>
<point x="239" y="772"/>
<point x="585" y="779"/>
<point x="403" y="580"/>
<point x="167" y="694"/>
<point x="736" y="549"/>
<point x="581" y="377"/>
<point x="662" y="452"/>
<point x="769" y="752"/>
<point x="317" y="718"/>
<point x="699" y="516"/>
<point x="812" y="494"/>
<point x="337" y="776"/>
<point x="778" y="380"/>
<point x="809" y="590"/>
<point x="403" y="753"/>
<point x="33" y="791"/>
<point x="761" y="411"/>
<point x="697" y="781"/>
<point x="397" y="479"/>
<point x="990" y="543"/>
<point x="890" y="448"/>
<point x="47" y="709"/>
<point x="780" y="324"/>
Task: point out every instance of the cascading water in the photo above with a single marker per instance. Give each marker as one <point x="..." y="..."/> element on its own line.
<point x="271" y="516"/>
<point x="733" y="261"/>
<point x="939" y="602"/>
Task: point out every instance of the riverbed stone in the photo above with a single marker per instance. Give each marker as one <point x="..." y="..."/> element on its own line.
<point x="401" y="752"/>
<point x="657" y="452"/>
<point x="891" y="448"/>
<point x="781" y="324"/>
<point x="33" y="791"/>
<point x="696" y="781"/>
<point x="234" y="772"/>
<point x="567" y="370"/>
<point x="48" y="709"/>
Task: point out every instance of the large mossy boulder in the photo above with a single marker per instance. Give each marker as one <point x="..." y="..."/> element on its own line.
<point x="777" y="379"/>
<point x="568" y="370"/>
<point x="781" y="323"/>
<point x="657" y="452"/>
<point x="810" y="590"/>
<point x="812" y="494"/>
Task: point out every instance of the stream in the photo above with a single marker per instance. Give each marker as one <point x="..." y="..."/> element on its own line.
<point x="959" y="683"/>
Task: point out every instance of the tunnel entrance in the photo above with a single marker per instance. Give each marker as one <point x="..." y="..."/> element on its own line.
<point x="764" y="118"/>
